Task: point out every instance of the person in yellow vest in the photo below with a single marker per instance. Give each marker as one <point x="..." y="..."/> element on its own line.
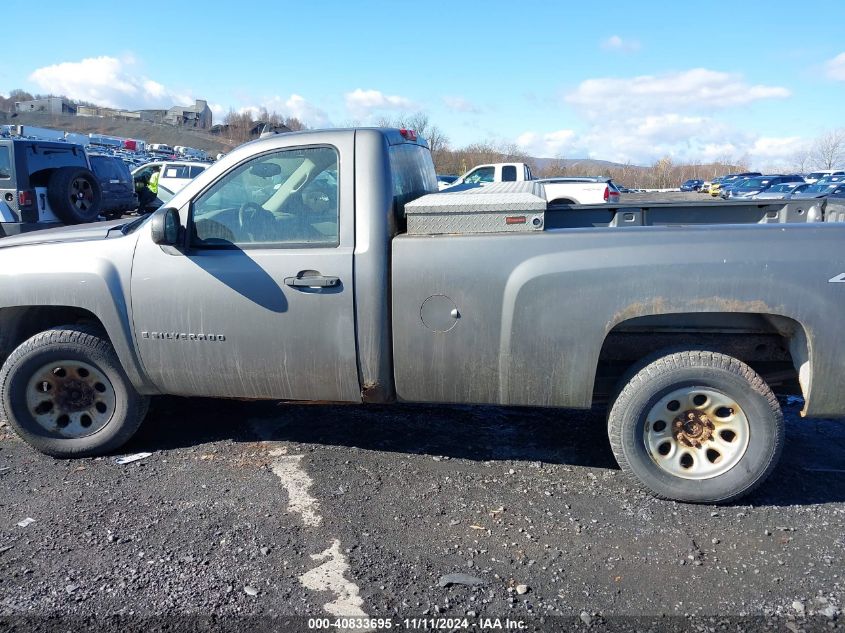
<point x="153" y="184"/>
<point x="146" y="186"/>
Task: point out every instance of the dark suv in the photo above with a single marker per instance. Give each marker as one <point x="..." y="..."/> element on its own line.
<point x="692" y="185"/>
<point x="44" y="183"/>
<point x="117" y="184"/>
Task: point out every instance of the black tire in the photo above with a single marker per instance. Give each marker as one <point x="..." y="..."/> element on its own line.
<point x="695" y="370"/>
<point x="66" y="345"/>
<point x="75" y="195"/>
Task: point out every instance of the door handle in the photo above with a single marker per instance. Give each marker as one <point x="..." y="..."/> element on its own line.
<point x="312" y="281"/>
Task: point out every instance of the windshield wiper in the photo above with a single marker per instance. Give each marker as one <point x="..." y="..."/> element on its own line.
<point x="126" y="229"/>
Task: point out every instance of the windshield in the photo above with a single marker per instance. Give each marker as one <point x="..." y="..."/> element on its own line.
<point x="831" y="179"/>
<point x="782" y="187"/>
<point x="819" y="188"/>
<point x="754" y="183"/>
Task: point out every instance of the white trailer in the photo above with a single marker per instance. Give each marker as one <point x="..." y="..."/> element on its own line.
<point x="76" y="137"/>
<point x="43" y="133"/>
<point x="191" y="152"/>
<point x="105" y="141"/>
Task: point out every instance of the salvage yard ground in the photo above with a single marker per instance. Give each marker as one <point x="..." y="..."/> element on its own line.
<point x="274" y="509"/>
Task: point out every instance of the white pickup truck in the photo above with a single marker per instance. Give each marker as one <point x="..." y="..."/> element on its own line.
<point x="564" y="190"/>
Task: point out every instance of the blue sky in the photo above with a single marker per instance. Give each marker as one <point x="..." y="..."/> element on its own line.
<point x="614" y="80"/>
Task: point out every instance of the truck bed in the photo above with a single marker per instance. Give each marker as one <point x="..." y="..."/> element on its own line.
<point x="685" y="213"/>
<point x="522" y="207"/>
<point x="522" y="318"/>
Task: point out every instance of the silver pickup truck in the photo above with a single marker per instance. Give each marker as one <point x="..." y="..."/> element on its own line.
<point x="317" y="266"/>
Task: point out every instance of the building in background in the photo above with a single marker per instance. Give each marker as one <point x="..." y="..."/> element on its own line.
<point x="48" y="105"/>
<point x="109" y="113"/>
<point x="197" y="115"/>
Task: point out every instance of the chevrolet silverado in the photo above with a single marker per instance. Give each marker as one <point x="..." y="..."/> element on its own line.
<point x="321" y="266"/>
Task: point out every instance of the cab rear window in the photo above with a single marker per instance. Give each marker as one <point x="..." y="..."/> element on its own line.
<point x="412" y="172"/>
<point x="105" y="167"/>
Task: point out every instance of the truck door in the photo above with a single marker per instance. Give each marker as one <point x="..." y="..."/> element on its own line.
<point x="259" y="302"/>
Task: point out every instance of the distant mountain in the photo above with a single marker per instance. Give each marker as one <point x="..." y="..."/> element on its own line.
<point x="585" y="165"/>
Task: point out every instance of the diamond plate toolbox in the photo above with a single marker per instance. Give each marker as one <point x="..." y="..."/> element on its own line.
<point x="495" y="208"/>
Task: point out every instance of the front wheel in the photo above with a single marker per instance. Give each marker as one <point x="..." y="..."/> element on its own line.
<point x="66" y="394"/>
<point x="696" y="426"/>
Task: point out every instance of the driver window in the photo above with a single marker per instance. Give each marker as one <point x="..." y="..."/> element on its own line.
<point x="480" y="175"/>
<point x="287" y="197"/>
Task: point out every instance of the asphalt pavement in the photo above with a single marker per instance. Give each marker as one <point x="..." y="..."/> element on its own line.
<point x="263" y="515"/>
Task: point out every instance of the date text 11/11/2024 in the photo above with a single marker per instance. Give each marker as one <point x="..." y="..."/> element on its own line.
<point x="423" y="624"/>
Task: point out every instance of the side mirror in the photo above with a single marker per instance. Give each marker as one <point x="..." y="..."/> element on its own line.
<point x="164" y="227"/>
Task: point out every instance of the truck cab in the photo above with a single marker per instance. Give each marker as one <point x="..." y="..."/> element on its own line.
<point x="495" y="172"/>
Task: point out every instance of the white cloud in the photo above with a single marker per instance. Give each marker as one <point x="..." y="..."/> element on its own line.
<point x="294" y="106"/>
<point x="459" y="104"/>
<point x="363" y="104"/>
<point x="616" y="43"/>
<point x="667" y="127"/>
<point x="107" y="81"/>
<point x="836" y="67"/>
<point x="642" y="140"/>
<point x="550" y="144"/>
<point x="306" y="111"/>
<point x="640" y="119"/>
<point x="697" y="89"/>
<point x="775" y="149"/>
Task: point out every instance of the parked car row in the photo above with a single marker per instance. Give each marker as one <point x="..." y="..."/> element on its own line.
<point x="754" y="185"/>
<point x="819" y="189"/>
<point x="45" y="182"/>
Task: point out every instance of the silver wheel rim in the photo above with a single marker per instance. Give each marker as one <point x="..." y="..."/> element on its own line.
<point x="70" y="399"/>
<point x="696" y="433"/>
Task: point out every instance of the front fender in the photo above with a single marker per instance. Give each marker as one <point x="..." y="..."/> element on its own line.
<point x="88" y="275"/>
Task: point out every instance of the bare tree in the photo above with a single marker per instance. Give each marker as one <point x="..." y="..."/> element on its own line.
<point x="663" y="172"/>
<point x="7" y="104"/>
<point x="801" y="160"/>
<point x="829" y="149"/>
<point x="422" y="125"/>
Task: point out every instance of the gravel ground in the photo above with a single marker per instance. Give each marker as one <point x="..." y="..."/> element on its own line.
<point x="231" y="513"/>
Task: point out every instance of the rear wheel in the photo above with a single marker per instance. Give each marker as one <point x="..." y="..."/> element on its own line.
<point x="696" y="426"/>
<point x="75" y="195"/>
<point x="66" y="394"/>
